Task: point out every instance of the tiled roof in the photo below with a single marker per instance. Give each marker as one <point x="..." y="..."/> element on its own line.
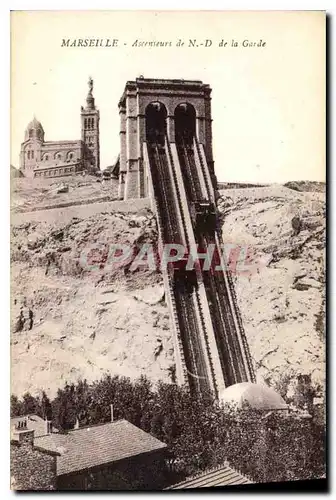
<point x="97" y="445"/>
<point x="221" y="476"/>
<point x="34" y="422"/>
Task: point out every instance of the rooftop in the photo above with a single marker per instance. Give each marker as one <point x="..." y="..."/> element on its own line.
<point x="93" y="446"/>
<point x="34" y="422"/>
<point x="220" y="476"/>
<point x="63" y="141"/>
<point x="162" y="84"/>
<point x="34" y="124"/>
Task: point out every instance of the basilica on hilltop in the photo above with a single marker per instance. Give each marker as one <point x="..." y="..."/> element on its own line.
<point x="41" y="158"/>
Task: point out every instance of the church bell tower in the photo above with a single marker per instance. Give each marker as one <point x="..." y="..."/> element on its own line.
<point x="90" y="132"/>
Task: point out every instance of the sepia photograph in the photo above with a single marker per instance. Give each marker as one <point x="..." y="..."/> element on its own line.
<point x="168" y="248"/>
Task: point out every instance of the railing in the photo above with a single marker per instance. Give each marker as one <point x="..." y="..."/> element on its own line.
<point x="190" y="243"/>
<point x="236" y="325"/>
<point x="190" y="323"/>
<point x="241" y="328"/>
<point x="206" y="342"/>
<point x="233" y="305"/>
<point x="201" y="157"/>
<point x="167" y="278"/>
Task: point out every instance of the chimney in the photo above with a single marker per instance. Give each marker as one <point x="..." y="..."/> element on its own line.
<point x="48" y="426"/>
<point x="23" y="434"/>
<point x="111" y="406"/>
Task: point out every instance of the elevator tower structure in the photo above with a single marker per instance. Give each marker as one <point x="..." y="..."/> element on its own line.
<point x="166" y="155"/>
<point x="134" y="105"/>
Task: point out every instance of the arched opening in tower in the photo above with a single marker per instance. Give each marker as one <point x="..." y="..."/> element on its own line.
<point x="185" y="131"/>
<point x="185" y="123"/>
<point x="156" y="123"/>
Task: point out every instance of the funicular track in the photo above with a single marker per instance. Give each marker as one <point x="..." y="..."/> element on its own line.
<point x="226" y="277"/>
<point x="185" y="312"/>
<point x="189" y="171"/>
<point x="230" y="336"/>
<point x="194" y="291"/>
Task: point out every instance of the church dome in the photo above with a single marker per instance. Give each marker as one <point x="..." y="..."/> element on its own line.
<point x="34" y="130"/>
<point x="258" y="396"/>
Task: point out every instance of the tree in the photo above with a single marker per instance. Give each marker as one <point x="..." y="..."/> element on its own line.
<point x="30" y="404"/>
<point x="199" y="433"/>
<point x="16" y="407"/>
<point x="64" y="409"/>
<point x="46" y="408"/>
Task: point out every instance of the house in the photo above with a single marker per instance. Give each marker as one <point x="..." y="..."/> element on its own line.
<point x="217" y="477"/>
<point x="32" y="466"/>
<point x="33" y="422"/>
<point x="112" y="456"/>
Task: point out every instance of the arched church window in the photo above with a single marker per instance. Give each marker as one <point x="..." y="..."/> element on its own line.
<point x="32" y="155"/>
<point x="85" y="123"/>
<point x="46" y="158"/>
<point x="28" y="154"/>
<point x="31" y="133"/>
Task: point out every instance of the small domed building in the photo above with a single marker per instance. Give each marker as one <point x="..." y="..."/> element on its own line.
<point x="41" y="158"/>
<point x="257" y="396"/>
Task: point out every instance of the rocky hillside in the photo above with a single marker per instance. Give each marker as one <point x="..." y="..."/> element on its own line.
<point x="281" y="291"/>
<point x="29" y="194"/>
<point x="74" y="317"/>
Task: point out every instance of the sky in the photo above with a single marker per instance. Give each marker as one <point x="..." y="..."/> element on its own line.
<point x="268" y="103"/>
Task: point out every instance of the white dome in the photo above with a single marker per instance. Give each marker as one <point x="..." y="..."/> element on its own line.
<point x="258" y="396"/>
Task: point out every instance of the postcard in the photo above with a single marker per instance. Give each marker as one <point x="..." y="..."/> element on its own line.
<point x="167" y="249"/>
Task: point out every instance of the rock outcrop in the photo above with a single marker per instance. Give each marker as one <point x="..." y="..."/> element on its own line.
<point x="281" y="291"/>
<point x="74" y="316"/>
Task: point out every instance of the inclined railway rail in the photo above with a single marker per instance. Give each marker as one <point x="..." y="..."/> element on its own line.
<point x="185" y="297"/>
<point x="193" y="343"/>
<point x="234" y="355"/>
<point x="189" y="171"/>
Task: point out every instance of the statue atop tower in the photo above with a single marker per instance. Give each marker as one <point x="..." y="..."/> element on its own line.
<point x="90" y="103"/>
<point x="90" y="83"/>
